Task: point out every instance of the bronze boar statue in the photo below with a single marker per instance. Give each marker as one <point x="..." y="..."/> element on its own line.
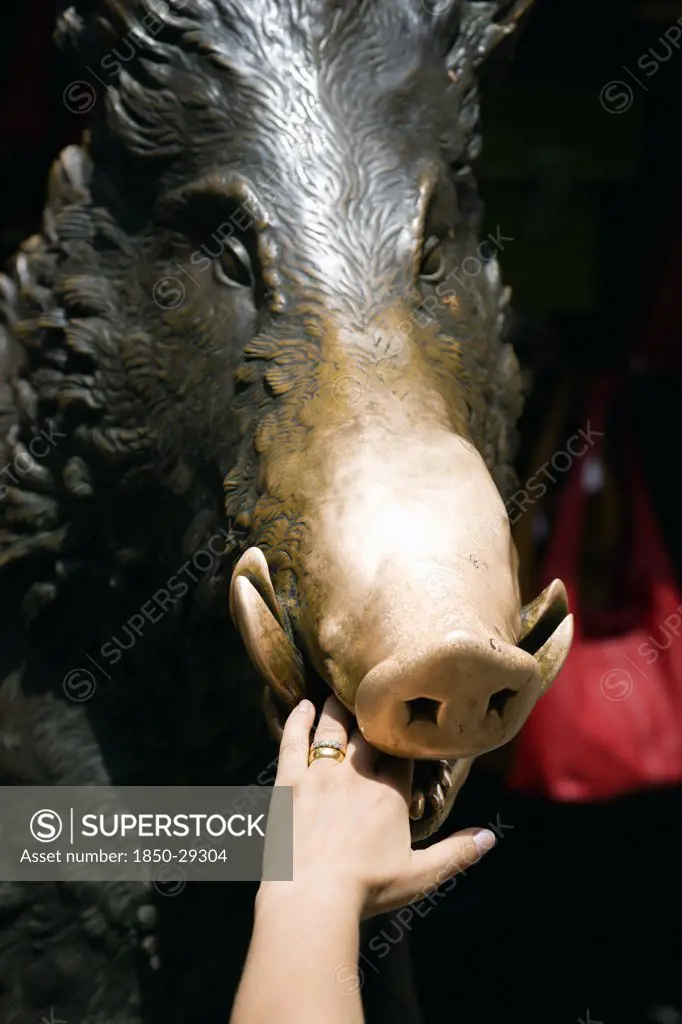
<point x="259" y="422"/>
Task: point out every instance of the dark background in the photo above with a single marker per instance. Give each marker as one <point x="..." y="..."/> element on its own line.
<point x="578" y="909"/>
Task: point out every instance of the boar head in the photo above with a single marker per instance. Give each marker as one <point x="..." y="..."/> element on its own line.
<point x="282" y="281"/>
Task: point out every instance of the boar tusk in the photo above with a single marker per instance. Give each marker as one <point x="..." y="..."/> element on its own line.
<point x="268" y="646"/>
<point x="547" y="630"/>
<point x="253" y="565"/>
<point x="552" y="602"/>
<point x="553" y="653"/>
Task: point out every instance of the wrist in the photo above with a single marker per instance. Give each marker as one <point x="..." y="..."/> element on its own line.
<point x="318" y="894"/>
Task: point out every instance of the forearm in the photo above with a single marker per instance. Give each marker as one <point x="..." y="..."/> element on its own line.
<point x="303" y="958"/>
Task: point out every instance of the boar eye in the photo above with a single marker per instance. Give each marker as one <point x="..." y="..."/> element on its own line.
<point x="431" y="268"/>
<point x="233" y="266"/>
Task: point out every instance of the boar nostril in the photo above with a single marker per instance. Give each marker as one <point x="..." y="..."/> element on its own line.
<point x="498" y="702"/>
<point x="423" y="709"/>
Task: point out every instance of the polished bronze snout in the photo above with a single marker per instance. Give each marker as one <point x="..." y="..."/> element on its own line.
<point x="456" y="698"/>
<point x="467" y="693"/>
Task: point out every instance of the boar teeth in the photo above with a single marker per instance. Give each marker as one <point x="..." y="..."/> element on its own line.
<point x="437" y="797"/>
<point x="418" y="805"/>
<point x="444" y="774"/>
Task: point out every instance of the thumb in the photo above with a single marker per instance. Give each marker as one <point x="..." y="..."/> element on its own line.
<point x="430" y="868"/>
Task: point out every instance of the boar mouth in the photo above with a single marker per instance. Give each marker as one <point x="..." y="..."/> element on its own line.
<point x="435" y="784"/>
<point x="545" y="637"/>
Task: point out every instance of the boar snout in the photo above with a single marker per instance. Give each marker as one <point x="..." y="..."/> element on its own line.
<point x="460" y="697"/>
<point x="468" y="693"/>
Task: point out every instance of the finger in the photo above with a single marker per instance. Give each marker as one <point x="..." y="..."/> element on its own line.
<point x="431" y="868"/>
<point x="295" y="743"/>
<point x="333" y="725"/>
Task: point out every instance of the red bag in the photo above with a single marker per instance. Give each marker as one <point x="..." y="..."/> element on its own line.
<point x="612" y="722"/>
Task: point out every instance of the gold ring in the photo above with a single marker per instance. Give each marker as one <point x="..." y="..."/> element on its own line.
<point x="327" y="748"/>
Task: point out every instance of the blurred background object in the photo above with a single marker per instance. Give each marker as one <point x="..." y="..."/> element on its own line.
<point x="573" y="917"/>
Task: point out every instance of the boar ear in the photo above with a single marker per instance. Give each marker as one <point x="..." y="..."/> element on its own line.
<point x="254" y="609"/>
<point x="547" y="630"/>
<point x="480" y="35"/>
<point x="507" y="25"/>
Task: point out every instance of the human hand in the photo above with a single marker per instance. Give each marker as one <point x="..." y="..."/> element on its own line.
<point x="351" y="821"/>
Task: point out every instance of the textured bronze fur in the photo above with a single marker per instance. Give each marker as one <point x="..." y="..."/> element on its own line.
<point x="344" y="133"/>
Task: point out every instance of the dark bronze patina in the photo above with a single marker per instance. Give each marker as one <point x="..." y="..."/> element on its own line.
<point x="258" y="322"/>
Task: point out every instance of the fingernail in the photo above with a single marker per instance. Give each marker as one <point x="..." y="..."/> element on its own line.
<point x="305" y="705"/>
<point x="484" y="840"/>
